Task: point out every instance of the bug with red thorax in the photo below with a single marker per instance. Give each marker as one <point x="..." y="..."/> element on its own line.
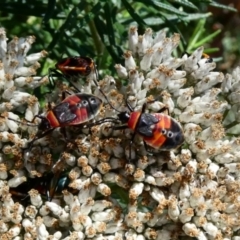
<point x="158" y="130"/>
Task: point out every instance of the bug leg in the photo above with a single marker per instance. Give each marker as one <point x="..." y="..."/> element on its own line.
<point x="74" y="86"/>
<point x="104" y="120"/>
<point x="39" y="133"/>
<point x="64" y="133"/>
<point x="38" y="116"/>
<point x="51" y="74"/>
<point x="147" y="148"/>
<point x="49" y="106"/>
<point x="130" y="147"/>
<point x="64" y="94"/>
<point x="163" y="109"/>
<point x="90" y="125"/>
<point x="15" y="193"/>
<point x="144" y="107"/>
<point x="131" y="141"/>
<point x="37" y="136"/>
<point x="54" y="73"/>
<point x="67" y="139"/>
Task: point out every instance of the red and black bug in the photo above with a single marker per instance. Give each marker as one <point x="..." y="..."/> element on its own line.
<point x="75" y="109"/>
<point x="72" y="69"/>
<point x="158" y="130"/>
<point x="75" y="66"/>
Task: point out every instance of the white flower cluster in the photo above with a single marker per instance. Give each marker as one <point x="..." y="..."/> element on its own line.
<point x="17" y="79"/>
<point x="190" y="192"/>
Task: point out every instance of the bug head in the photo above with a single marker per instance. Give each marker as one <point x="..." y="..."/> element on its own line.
<point x="44" y="124"/>
<point x="124" y="116"/>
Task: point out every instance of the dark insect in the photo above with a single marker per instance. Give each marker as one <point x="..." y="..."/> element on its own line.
<point x="72" y="69"/>
<point x="207" y="57"/>
<point x="75" y="109"/>
<point x="49" y="186"/>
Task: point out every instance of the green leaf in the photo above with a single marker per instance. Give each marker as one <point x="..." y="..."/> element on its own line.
<point x="208" y="38"/>
<point x="109" y="24"/>
<point x="199" y="29"/>
<point x="186" y="3"/>
<point x="61" y="31"/>
<point x="165" y="6"/>
<point x="211" y="50"/>
<point x="49" y="13"/>
<point x="218" y="5"/>
<point x="191" y="17"/>
<point x="196" y="16"/>
<point x="133" y="14"/>
<point x="193" y="43"/>
<point x="25" y="9"/>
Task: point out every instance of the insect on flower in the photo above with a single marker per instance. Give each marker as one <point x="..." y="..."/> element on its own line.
<point x="49" y="186"/>
<point x="71" y="69"/>
<point x="207" y="57"/>
<point x="204" y="56"/>
<point x="158" y="130"/>
<point x="75" y="109"/>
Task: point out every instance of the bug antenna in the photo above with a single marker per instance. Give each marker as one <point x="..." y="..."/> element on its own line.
<point x="74" y="86"/>
<point x="24" y="123"/>
<point x="101" y="91"/>
<point x="129" y="106"/>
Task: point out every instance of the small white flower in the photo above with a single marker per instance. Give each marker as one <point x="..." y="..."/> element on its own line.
<point x="190" y="229"/>
<point x="57" y="235"/>
<point x="157" y="194"/>
<point x="186" y="215"/>
<point x="16" y="181"/>
<point x="100" y="205"/>
<point x="35" y="198"/>
<point x="129" y="61"/>
<point x="211" y="229"/>
<point x="105" y="216"/>
<point x="14" y="231"/>
<point x="35" y="57"/>
<point x="173" y="209"/>
<point x="133" y="39"/>
<point x="55" y="209"/>
<point x="208" y="82"/>
<point x="121" y="71"/>
<point x="42" y="232"/>
<point x="145" y="64"/>
<point x="104" y="189"/>
<point x="191" y="62"/>
<point x="227" y="83"/>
